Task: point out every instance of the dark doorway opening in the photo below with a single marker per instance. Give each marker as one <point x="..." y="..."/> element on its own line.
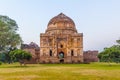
<point x="61" y="60"/>
<point x="50" y="52"/>
<point x="61" y="57"/>
<point x="72" y="53"/>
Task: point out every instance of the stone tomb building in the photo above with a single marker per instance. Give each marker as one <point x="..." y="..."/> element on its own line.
<point x="61" y="43"/>
<point x="34" y="49"/>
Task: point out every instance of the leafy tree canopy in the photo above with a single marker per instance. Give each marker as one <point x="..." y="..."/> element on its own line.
<point x="20" y="55"/>
<point x="118" y="41"/>
<point x="8" y="33"/>
<point x="111" y="54"/>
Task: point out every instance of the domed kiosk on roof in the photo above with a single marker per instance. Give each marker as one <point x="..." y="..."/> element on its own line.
<point x="61" y="43"/>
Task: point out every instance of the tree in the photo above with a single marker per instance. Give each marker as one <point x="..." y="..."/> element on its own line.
<point x="9" y="38"/>
<point x="20" y="55"/>
<point x="111" y="54"/>
<point x="104" y="56"/>
<point x="115" y="55"/>
<point x="2" y="57"/>
<point x="118" y="41"/>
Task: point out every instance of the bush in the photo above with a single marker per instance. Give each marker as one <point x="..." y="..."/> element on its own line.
<point x="20" y="55"/>
<point x="0" y="63"/>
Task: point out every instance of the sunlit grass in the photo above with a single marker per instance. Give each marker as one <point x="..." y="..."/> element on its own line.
<point x="93" y="71"/>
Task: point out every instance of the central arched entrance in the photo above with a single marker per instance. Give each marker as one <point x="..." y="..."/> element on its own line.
<point x="61" y="57"/>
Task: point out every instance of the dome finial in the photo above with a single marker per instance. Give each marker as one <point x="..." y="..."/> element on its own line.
<point x="61" y="15"/>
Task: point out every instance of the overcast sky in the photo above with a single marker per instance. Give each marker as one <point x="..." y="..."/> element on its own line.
<point x="98" y="20"/>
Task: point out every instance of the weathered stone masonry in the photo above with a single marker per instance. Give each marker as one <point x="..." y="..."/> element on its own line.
<point x="61" y="43"/>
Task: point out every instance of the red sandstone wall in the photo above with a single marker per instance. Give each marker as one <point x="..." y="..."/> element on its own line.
<point x="90" y="56"/>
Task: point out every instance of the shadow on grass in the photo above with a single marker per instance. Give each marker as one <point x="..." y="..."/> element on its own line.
<point x="19" y="66"/>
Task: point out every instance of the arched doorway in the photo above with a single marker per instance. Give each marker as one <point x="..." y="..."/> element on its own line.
<point x="61" y="56"/>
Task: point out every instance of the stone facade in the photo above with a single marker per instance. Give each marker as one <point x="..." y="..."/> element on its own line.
<point x="34" y="50"/>
<point x="61" y="43"/>
<point x="90" y="56"/>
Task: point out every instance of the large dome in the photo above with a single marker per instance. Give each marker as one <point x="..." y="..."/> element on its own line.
<point x="61" y="22"/>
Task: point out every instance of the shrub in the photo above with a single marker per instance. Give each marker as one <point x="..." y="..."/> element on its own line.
<point x="0" y="63"/>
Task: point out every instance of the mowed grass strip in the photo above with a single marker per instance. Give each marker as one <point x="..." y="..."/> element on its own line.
<point x="93" y="71"/>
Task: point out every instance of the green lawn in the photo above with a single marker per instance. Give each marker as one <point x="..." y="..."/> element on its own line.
<point x="93" y="71"/>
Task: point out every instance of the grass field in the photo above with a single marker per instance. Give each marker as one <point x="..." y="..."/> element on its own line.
<point x="93" y="71"/>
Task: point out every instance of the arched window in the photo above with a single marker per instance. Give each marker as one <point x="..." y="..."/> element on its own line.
<point x="61" y="55"/>
<point x="50" y="52"/>
<point x="61" y="46"/>
<point x="72" y="53"/>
